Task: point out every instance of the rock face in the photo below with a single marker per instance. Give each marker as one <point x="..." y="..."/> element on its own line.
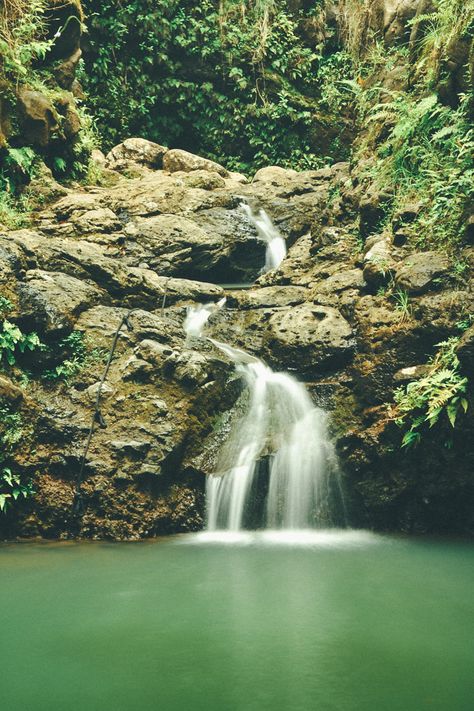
<point x="311" y="335"/>
<point x="420" y="272"/>
<point x="177" y="160"/>
<point x="32" y="116"/>
<point x="124" y="263"/>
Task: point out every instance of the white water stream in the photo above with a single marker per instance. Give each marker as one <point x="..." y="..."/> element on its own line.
<point x="197" y="317"/>
<point x="280" y="440"/>
<point x="282" y="435"/>
<point x="268" y="233"/>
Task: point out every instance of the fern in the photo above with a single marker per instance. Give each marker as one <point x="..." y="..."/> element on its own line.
<point x="422" y="402"/>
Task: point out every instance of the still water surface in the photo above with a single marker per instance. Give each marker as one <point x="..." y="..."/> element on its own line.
<point x="330" y="622"/>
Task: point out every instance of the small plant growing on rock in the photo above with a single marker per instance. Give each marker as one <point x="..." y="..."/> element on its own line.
<point x="11" y="432"/>
<point x="442" y="390"/>
<point x="402" y="304"/>
<point x="12" y="488"/>
<point x="77" y="356"/>
<point x="12" y="339"/>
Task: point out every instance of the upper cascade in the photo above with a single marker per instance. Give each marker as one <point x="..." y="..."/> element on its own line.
<point x="268" y="233"/>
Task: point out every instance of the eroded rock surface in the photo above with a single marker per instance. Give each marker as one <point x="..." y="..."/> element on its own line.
<point x="138" y="254"/>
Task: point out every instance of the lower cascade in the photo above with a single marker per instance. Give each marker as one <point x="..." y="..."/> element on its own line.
<point x="278" y="468"/>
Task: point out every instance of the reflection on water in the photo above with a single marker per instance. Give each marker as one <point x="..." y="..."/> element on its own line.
<point x="321" y="620"/>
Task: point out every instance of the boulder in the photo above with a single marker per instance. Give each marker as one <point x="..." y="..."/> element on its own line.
<point x="101" y="219"/>
<point x="52" y="301"/>
<point x="267" y="297"/>
<point x="221" y="250"/>
<point x="311" y="338"/>
<point x="412" y="372"/>
<point x="138" y="151"/>
<point x="238" y="177"/>
<point x="63" y="21"/>
<point x="177" y="160"/>
<point x="273" y="174"/>
<point x="341" y="281"/>
<point x="37" y="117"/>
<point x="379" y="264"/>
<point x="202" y="179"/>
<point x="65" y="72"/>
<point x="420" y="272"/>
<point x="396" y="20"/>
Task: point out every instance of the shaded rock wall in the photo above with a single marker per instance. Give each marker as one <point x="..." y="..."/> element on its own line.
<point x="38" y="108"/>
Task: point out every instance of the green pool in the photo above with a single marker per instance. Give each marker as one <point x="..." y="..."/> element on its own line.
<point x="324" y="622"/>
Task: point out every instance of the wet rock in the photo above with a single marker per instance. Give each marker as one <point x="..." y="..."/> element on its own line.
<point x="178" y="246"/>
<point x="190" y="368"/>
<point x="177" y="159"/>
<point x="422" y="271"/>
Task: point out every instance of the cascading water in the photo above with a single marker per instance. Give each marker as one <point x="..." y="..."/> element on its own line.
<point x="268" y="233"/>
<point x="278" y="467"/>
<point x="197" y="317"/>
<point x="282" y="438"/>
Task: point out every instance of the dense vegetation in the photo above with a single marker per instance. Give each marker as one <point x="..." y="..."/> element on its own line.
<point x="241" y="82"/>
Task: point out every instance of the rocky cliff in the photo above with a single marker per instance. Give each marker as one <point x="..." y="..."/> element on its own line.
<point x="135" y="255"/>
<point x="114" y="418"/>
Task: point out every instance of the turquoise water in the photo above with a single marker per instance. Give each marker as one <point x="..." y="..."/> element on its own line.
<point x="336" y="622"/>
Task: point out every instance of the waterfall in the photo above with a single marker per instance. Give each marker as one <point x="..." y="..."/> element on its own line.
<point x="197" y="317"/>
<point x="278" y="468"/>
<point x="280" y="445"/>
<point x="268" y="233"/>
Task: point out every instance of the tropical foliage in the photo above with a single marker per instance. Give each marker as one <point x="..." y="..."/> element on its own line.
<point x="442" y="391"/>
<point x="233" y="80"/>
